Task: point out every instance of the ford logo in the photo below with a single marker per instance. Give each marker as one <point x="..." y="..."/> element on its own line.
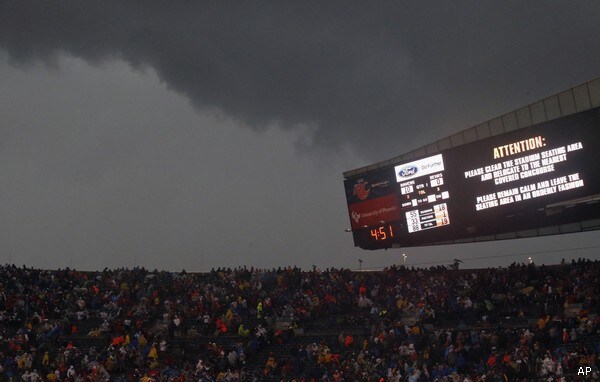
<point x="408" y="171"/>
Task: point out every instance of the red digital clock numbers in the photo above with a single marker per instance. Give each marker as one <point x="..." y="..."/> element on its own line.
<point x="383" y="232"/>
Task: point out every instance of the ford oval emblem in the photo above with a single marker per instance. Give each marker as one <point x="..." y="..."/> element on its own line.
<point x="408" y="171"/>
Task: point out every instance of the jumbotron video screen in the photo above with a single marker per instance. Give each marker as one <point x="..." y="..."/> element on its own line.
<point x="534" y="177"/>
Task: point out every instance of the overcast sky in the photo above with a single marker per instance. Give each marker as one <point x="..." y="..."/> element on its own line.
<point x="192" y="135"/>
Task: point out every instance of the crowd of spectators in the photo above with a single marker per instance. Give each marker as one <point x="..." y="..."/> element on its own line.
<point x="519" y="323"/>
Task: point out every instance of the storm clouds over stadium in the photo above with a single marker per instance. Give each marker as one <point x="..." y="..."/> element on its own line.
<point x="196" y="135"/>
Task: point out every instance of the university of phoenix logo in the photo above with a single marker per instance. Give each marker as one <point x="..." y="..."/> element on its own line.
<point x="355" y="216"/>
<point x="361" y="190"/>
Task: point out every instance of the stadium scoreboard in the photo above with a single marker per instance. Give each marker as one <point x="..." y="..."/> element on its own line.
<point x="529" y="178"/>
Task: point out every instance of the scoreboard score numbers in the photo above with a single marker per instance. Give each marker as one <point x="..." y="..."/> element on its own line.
<point x="539" y="176"/>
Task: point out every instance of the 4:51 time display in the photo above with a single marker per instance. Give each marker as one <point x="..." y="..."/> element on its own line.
<point x="382" y="232"/>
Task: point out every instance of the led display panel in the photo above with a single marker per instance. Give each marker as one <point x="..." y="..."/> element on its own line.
<point x="530" y="178"/>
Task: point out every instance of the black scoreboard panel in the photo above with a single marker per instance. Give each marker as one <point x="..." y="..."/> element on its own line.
<point x="519" y="180"/>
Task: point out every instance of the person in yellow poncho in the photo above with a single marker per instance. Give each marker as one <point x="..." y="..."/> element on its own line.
<point x="21" y="361"/>
<point x="229" y="316"/>
<point x="46" y="359"/>
<point x="243" y="332"/>
<point x="142" y="340"/>
<point x="153" y="353"/>
<point x="259" y="309"/>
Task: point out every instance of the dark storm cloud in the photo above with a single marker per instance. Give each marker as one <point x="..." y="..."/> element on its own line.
<point x="380" y="77"/>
